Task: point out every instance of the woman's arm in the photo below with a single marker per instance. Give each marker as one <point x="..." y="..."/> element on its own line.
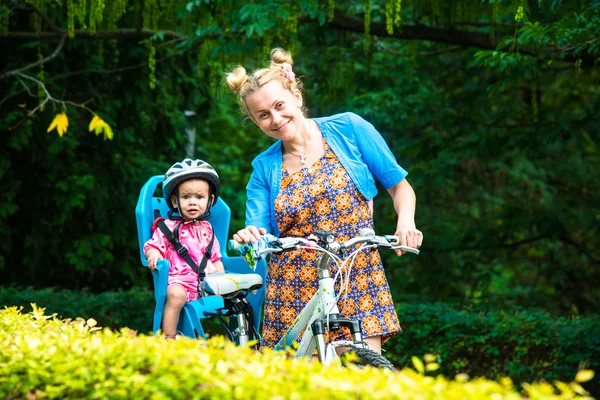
<point x="258" y="211"/>
<point x="405" y="200"/>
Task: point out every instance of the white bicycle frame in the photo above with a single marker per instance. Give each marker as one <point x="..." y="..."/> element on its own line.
<point x="322" y="305"/>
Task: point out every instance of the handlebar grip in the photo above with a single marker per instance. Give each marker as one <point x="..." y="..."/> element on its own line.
<point x="407" y="249"/>
<point x="233" y="245"/>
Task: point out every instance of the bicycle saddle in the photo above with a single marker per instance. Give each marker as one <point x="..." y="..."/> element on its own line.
<point x="227" y="285"/>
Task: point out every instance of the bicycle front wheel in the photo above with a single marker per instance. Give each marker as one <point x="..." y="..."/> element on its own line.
<point x="363" y="357"/>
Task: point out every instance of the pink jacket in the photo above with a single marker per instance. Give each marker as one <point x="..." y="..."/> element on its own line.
<point x="196" y="237"/>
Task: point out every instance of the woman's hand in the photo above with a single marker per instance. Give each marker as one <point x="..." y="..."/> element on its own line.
<point x="250" y="234"/>
<point x="404" y="204"/>
<point x="409" y="237"/>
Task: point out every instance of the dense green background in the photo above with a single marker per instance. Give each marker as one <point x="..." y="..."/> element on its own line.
<point x="490" y="105"/>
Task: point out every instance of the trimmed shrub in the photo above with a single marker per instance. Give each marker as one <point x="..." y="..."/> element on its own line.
<point x="525" y="345"/>
<point x="44" y="357"/>
<point x="132" y="309"/>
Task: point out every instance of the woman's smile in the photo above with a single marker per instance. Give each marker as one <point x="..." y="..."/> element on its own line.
<point x="283" y="127"/>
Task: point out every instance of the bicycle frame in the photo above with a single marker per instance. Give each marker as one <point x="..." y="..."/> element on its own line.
<point x="320" y="311"/>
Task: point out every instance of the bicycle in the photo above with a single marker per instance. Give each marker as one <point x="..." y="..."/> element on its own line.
<point x="321" y="313"/>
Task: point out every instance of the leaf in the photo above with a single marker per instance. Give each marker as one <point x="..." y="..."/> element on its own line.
<point x="98" y="126"/>
<point x="95" y="122"/>
<point x="60" y="122"/>
<point x="108" y="133"/>
<point x="432" y="366"/>
<point x="418" y="364"/>
<point x="584" y="375"/>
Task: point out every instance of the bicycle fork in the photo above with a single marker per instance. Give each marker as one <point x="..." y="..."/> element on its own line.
<point x="331" y="315"/>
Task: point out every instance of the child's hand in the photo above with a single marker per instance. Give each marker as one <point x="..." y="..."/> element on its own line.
<point x="153" y="257"/>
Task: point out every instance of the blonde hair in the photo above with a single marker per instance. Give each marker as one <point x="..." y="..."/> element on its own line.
<point x="243" y="84"/>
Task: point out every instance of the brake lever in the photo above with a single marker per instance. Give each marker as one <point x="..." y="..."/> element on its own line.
<point x="407" y="249"/>
<point x="289" y="243"/>
<point x="384" y="242"/>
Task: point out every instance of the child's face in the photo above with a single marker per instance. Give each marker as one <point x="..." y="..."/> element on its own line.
<point x="193" y="198"/>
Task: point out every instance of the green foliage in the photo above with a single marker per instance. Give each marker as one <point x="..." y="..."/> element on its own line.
<point x="490" y="106"/>
<point x="114" y="310"/>
<point x="45" y="357"/>
<point x="523" y="344"/>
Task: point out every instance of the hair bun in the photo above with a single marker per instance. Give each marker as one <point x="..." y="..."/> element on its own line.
<point x="237" y="78"/>
<point x="280" y="56"/>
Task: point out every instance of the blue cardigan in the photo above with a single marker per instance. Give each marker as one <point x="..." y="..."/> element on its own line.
<point x="357" y="144"/>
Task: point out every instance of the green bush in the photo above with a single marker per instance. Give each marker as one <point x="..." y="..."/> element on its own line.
<point x="132" y="309"/>
<point x="44" y="357"/>
<point x="525" y="345"/>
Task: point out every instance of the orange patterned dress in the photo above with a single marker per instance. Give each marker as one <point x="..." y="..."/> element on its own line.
<point x="324" y="197"/>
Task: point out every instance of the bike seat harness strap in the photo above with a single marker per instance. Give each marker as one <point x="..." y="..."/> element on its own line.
<point x="173" y="238"/>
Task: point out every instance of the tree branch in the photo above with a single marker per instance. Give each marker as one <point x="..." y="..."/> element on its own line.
<point x="48" y="95"/>
<point x="118" y="34"/>
<point x="487" y="24"/>
<point x="445" y="35"/>
<point x="426" y="54"/>
<point x="110" y="71"/>
<point x="87" y="71"/>
<point x="40" y="62"/>
<point x="46" y="100"/>
<point x="579" y="247"/>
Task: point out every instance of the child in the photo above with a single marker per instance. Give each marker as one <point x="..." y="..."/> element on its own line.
<point x="190" y="188"/>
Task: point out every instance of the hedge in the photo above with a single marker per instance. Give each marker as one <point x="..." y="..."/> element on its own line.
<point x="44" y="357"/>
<point x="525" y="345"/>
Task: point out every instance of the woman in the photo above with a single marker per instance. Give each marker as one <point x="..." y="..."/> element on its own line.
<point x="318" y="175"/>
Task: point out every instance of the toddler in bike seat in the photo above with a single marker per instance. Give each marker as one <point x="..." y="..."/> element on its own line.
<point x="186" y="239"/>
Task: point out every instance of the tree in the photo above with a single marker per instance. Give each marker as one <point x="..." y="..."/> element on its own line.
<point x="489" y="105"/>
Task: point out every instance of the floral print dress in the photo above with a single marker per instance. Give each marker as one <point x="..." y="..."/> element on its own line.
<point x="324" y="197"/>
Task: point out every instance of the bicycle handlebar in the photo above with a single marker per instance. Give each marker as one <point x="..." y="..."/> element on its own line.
<point x="272" y="244"/>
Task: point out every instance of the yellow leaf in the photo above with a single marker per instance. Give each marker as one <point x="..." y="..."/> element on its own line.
<point x="53" y="124"/>
<point x="60" y="122"/>
<point x="418" y="364"/>
<point x="98" y="126"/>
<point x="108" y="133"/>
<point x="63" y="124"/>
<point x="95" y="122"/>
<point x="429" y="358"/>
<point x="432" y="366"/>
<point x="578" y="389"/>
<point x="584" y="375"/>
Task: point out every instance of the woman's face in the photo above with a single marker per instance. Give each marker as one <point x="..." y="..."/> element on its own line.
<point x="276" y="110"/>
